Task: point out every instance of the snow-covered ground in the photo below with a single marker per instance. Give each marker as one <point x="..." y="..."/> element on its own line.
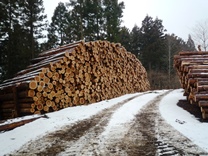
<point x="183" y="121"/>
<point x="180" y="119"/>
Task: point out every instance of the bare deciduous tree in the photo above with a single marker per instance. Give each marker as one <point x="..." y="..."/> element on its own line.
<point x="200" y="34"/>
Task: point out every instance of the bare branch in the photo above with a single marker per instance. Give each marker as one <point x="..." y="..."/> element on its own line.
<point x="200" y="34"/>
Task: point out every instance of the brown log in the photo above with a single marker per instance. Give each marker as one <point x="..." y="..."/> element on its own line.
<point x="204" y="115"/>
<point x="194" y="62"/>
<point x="197" y="75"/>
<point x="192" y="81"/>
<point x="198" y="66"/>
<point x="202" y="103"/>
<point x="5" y="97"/>
<point x="61" y="48"/>
<point x="39" y="107"/>
<point x="10" y="96"/>
<point x="199" y="97"/>
<point x="8" y="105"/>
<point x="33" y="85"/>
<point x="31" y="93"/>
<point x="192" y="53"/>
<point x="25" y="77"/>
<point x="202" y="88"/>
<point x="198" y="70"/>
<point x="11" y="126"/>
<point x="45" y="64"/>
<point x="38" y="59"/>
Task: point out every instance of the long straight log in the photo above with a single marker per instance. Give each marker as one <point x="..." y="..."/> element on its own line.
<point x="194" y="62"/>
<point x="189" y="67"/>
<point x="199" y="97"/>
<point x="202" y="88"/>
<point x="197" y="75"/>
<point x="62" y="48"/>
<point x="44" y="64"/>
<point x="203" y="103"/>
<point x="199" y="83"/>
<point x="181" y="61"/>
<point x="16" y="124"/>
<point x="192" y="81"/>
<point x="198" y="71"/>
<point x="188" y="53"/>
<point x="47" y="60"/>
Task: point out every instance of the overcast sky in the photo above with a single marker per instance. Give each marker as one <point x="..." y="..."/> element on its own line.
<point x="178" y="16"/>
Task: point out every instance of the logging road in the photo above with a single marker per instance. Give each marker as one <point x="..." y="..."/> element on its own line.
<point x="112" y="132"/>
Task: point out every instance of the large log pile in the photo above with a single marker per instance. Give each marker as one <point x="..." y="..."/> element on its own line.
<point x="192" y="68"/>
<point x="74" y="74"/>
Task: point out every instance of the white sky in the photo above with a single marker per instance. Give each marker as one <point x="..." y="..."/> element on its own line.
<point x="179" y="16"/>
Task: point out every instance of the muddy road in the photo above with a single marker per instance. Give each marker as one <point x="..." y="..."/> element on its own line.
<point x="147" y="133"/>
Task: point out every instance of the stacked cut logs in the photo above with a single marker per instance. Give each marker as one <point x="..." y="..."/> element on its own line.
<point x="192" y="68"/>
<point x="74" y="74"/>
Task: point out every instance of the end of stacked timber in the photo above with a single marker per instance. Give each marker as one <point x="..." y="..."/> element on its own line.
<point x="74" y="74"/>
<point x="192" y="69"/>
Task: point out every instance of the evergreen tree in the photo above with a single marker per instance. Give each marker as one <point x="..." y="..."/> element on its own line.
<point x="57" y="31"/>
<point x="93" y="20"/>
<point x="125" y="38"/>
<point x="112" y="14"/>
<point x="190" y="44"/>
<point x="34" y="21"/>
<point x="10" y="37"/>
<point x="77" y="19"/>
<point x="152" y="39"/>
<point x="15" y="36"/>
<point x="136" y="41"/>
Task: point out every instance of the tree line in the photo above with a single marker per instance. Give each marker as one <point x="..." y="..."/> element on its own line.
<point x="25" y="32"/>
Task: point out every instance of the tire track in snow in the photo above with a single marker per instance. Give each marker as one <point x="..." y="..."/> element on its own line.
<point x="151" y="135"/>
<point x="74" y="137"/>
<point x="145" y="134"/>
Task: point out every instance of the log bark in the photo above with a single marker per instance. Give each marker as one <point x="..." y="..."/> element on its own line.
<point x="11" y="126"/>
<point x="192" y="68"/>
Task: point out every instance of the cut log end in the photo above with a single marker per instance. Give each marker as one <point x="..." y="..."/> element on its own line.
<point x="33" y="85"/>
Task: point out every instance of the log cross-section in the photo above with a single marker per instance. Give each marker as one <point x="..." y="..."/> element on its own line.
<point x="192" y="69"/>
<point x="74" y="74"/>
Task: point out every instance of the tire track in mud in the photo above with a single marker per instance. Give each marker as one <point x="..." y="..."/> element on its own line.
<point x="151" y="135"/>
<point x="73" y="137"/>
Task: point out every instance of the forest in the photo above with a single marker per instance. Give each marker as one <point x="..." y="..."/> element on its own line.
<point x="25" y="32"/>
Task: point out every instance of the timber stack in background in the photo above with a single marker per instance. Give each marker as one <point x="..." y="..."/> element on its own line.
<point x="74" y="74"/>
<point x="192" y="69"/>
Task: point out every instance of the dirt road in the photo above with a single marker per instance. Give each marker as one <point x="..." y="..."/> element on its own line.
<point x="147" y="134"/>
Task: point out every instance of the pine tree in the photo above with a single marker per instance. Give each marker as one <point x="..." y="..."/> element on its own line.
<point x="34" y="21"/>
<point x="112" y="14"/>
<point x="77" y="19"/>
<point x="125" y="38"/>
<point x="152" y="39"/>
<point x="10" y="26"/>
<point x="136" y="41"/>
<point x="57" y="31"/>
<point x="19" y="19"/>
<point x="93" y="20"/>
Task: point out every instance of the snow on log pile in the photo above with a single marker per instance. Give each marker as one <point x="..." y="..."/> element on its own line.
<point x="192" y="68"/>
<point x="74" y="74"/>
